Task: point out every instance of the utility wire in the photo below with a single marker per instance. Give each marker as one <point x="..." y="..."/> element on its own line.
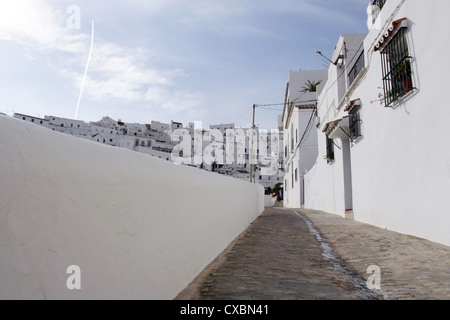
<point x="356" y="55"/>
<point x="308" y="127"/>
<point x="344" y="72"/>
<point x="270" y="105"/>
<point x="273" y="109"/>
<point x="264" y="106"/>
<point x="242" y="115"/>
<point x="305" y="134"/>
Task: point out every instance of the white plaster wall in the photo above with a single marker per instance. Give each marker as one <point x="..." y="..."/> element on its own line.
<point x="401" y="169"/>
<point x="303" y="157"/>
<point x="137" y="226"/>
<point x="292" y="188"/>
<point x="324" y="186"/>
<point x="269" y="201"/>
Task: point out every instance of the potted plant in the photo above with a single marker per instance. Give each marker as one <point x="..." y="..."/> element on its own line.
<point x="402" y="75"/>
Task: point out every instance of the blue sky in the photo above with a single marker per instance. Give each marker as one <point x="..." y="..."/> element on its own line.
<point x="196" y="60"/>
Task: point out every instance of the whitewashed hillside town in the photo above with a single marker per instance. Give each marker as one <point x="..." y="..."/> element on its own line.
<point x="375" y="124"/>
<point x="158" y="139"/>
<point x="365" y="139"/>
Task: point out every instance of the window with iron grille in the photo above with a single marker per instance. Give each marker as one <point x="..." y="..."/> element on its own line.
<point x="396" y="66"/>
<point x="359" y="65"/>
<point x="355" y="123"/>
<point x="330" y="149"/>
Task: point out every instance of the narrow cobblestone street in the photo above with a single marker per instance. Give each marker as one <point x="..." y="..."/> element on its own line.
<point x="280" y="257"/>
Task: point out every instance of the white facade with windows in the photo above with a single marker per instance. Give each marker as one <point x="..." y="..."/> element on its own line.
<point x="155" y="139"/>
<point x="69" y="126"/>
<point x="332" y="172"/>
<point x="299" y="136"/>
<point x="35" y="120"/>
<point x="230" y="150"/>
<point x="388" y="163"/>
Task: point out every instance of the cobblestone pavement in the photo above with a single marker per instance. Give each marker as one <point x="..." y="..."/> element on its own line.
<point x="277" y="258"/>
<point x="411" y="268"/>
<point x="297" y="254"/>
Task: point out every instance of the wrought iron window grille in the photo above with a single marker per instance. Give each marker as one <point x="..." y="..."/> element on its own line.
<point x="396" y="68"/>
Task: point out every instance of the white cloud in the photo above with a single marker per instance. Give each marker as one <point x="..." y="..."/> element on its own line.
<point x="115" y="71"/>
<point x="112" y="60"/>
<point x="34" y="23"/>
<point x="177" y="100"/>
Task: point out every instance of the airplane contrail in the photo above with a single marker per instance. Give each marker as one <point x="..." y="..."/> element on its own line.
<point x="85" y="71"/>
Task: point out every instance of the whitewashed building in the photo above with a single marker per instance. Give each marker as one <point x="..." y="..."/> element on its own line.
<point x="235" y="148"/>
<point x="69" y="126"/>
<point x="156" y="140"/>
<point x="334" y="161"/>
<point x="299" y="136"/>
<point x="35" y="120"/>
<point x="382" y="136"/>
